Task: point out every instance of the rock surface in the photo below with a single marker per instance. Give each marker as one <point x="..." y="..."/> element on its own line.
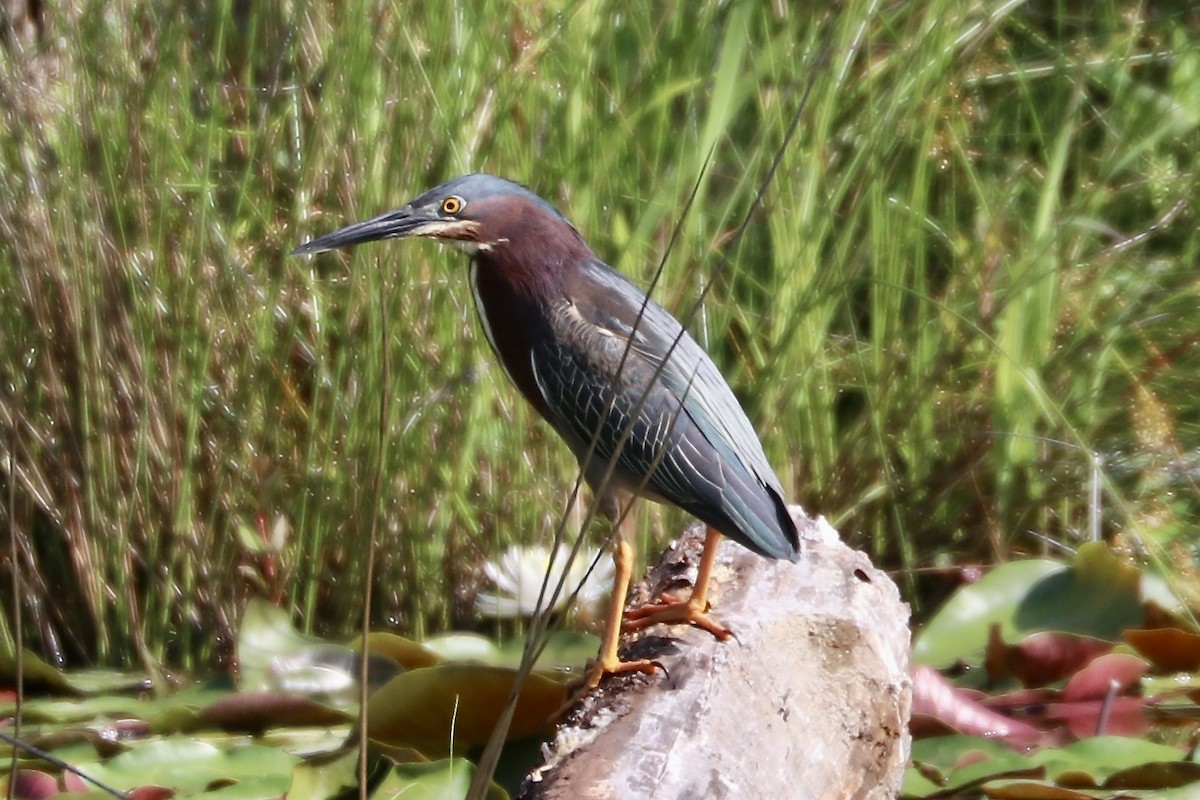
<point x="811" y="699"/>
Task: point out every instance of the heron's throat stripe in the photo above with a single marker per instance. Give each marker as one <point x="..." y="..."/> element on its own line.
<point x="450" y="229"/>
<point x="483" y="319"/>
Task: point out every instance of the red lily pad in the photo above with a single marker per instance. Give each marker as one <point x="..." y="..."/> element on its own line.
<point x="256" y="712"/>
<point x="1169" y="649"/>
<point x="961" y="710"/>
<point x="29" y="784"/>
<point x="1041" y="658"/>
<point x="1113" y="673"/>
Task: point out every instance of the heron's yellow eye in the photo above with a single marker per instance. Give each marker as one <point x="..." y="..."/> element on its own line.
<point x="452" y="205"/>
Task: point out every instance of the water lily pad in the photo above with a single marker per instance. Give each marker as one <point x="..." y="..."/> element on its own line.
<point x="450" y="708"/>
<point x="266" y="634"/>
<point x="447" y="779"/>
<point x="275" y="657"/>
<point x="405" y="652"/>
<point x="1169" y="649"/>
<point x="937" y="698"/>
<point x="1042" y="658"/>
<point x="1102" y="756"/>
<point x="1097" y="596"/>
<point x="29" y="784"/>
<point x="464" y="647"/>
<point x="36" y="674"/>
<point x="192" y="767"/>
<point x="335" y="775"/>
<point x="256" y="712"/>
<point x="946" y="762"/>
<point x="564" y="651"/>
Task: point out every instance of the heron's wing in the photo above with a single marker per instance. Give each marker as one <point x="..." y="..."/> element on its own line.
<point x="658" y="338"/>
<point x="622" y="373"/>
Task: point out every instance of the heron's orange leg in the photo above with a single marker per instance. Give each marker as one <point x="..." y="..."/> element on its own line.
<point x="608" y="662"/>
<point x="692" y="611"/>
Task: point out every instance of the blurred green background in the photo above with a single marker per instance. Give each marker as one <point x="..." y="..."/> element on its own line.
<point x="965" y="317"/>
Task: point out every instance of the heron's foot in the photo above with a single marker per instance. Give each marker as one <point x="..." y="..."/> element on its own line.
<point x="675" y="612"/>
<point x="599" y="668"/>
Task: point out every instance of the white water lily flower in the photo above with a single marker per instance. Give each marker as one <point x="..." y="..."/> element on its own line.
<point x="519" y="575"/>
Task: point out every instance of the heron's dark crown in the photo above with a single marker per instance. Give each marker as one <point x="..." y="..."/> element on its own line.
<point x="481" y="187"/>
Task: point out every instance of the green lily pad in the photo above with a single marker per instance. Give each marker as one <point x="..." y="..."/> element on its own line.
<point x="405" y="652"/>
<point x="1097" y="596"/>
<point x="266" y="634"/>
<point x="957" y="761"/>
<point x="192" y="767"/>
<point x="275" y="657"/>
<point x="60" y="711"/>
<point x="335" y="775"/>
<point x="36" y="674"/>
<point x="450" y="708"/>
<point x="1102" y="756"/>
<point x="448" y="779"/>
<point x="463" y="647"/>
<point x="565" y="651"/>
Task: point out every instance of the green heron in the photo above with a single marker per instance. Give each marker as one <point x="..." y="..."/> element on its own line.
<point x="640" y="404"/>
